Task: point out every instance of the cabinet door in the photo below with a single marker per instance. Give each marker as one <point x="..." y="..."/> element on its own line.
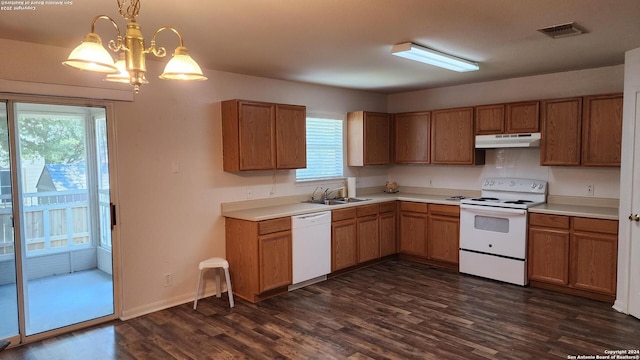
<point x="490" y="119"/>
<point x="412" y="138"/>
<point x="452" y="137"/>
<point x="593" y="262"/>
<point x="256" y="131"/>
<point x="413" y="234"/>
<point x="523" y="117"/>
<point x="561" y="132"/>
<point x="344" y="250"/>
<point x="275" y="263"/>
<point x="602" y="130"/>
<point x="387" y="227"/>
<point x="444" y="238"/>
<point x="548" y="255"/>
<point x="368" y="240"/>
<point x="291" y="137"/>
<point x="377" y="132"/>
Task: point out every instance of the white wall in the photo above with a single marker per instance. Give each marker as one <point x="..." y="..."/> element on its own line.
<point x="568" y="181"/>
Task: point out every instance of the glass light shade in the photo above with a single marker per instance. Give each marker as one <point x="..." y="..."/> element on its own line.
<point x="182" y="67"/>
<point x="90" y="55"/>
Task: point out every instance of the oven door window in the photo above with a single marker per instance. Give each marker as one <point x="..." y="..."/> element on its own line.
<point x="490" y="223"/>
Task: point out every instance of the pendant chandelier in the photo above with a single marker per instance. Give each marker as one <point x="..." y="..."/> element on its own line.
<point x="130" y="67"/>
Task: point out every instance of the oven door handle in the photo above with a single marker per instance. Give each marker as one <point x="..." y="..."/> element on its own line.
<point x="494" y="210"/>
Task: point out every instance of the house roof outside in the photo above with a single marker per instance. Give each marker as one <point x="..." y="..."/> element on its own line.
<point x="60" y="177"/>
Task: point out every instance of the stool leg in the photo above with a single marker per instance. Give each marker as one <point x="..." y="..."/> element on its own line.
<point x="195" y="302"/>
<point x="229" y="291"/>
<point x="218" y="290"/>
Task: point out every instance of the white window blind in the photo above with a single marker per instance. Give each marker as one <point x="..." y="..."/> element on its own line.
<point x="324" y="150"/>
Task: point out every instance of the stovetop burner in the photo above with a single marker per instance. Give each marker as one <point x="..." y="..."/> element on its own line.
<point x="510" y="193"/>
<point x="518" y="201"/>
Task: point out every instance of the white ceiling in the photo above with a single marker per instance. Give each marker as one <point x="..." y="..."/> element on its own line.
<point x="347" y="43"/>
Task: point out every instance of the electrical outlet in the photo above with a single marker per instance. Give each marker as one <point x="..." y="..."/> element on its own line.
<point x="168" y="280"/>
<point x="590" y="190"/>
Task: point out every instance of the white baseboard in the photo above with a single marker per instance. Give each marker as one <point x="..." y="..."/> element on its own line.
<point x="164" y="304"/>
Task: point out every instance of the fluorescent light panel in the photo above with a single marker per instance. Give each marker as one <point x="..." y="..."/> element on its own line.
<point x="415" y="52"/>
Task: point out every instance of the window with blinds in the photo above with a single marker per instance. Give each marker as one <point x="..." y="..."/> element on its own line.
<point x="324" y="150"/>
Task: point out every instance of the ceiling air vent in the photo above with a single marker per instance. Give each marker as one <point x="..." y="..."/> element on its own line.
<point x="562" y="30"/>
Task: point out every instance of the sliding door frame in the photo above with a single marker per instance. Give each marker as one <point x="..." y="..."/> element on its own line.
<point x="10" y="100"/>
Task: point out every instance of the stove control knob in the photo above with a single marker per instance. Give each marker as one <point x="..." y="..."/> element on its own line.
<point x="491" y="183"/>
<point x="486" y="182"/>
<point x="512" y="183"/>
<point x="540" y="186"/>
<point x="534" y="185"/>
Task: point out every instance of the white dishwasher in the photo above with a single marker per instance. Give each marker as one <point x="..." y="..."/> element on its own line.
<point x="311" y="248"/>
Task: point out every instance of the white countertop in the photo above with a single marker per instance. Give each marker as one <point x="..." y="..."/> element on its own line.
<point x="597" y="212"/>
<point x="299" y="208"/>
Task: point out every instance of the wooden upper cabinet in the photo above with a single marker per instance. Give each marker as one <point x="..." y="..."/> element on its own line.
<point x="412" y="138"/>
<point x="490" y="119"/>
<point x="452" y="138"/>
<point x="602" y="130"/>
<point x="561" y="132"/>
<point x="369" y="138"/>
<point x="291" y="137"/>
<point x="522" y="117"/>
<point x="511" y="118"/>
<point x="263" y="136"/>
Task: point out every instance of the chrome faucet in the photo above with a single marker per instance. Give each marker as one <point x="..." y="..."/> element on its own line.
<point x="327" y="192"/>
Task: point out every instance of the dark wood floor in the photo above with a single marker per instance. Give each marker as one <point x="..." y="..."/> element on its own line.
<point x="392" y="310"/>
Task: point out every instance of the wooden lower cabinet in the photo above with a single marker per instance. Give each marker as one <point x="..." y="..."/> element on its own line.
<point x="367" y="233"/>
<point x="260" y="257"/>
<point x="344" y="245"/>
<point x="275" y="260"/>
<point x="444" y="233"/>
<point x="573" y="254"/>
<point x="430" y="233"/>
<point x="548" y="253"/>
<point x="413" y="229"/>
<point x="387" y="220"/>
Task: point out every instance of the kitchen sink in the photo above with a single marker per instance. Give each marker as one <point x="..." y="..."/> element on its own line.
<point x="338" y="201"/>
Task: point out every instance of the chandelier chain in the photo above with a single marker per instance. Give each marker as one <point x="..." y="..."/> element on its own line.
<point x="130" y="11"/>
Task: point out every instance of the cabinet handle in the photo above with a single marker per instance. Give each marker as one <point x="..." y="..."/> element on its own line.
<point x="634" y="217"/>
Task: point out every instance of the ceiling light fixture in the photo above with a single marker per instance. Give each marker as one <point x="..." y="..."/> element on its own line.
<point x="419" y="53"/>
<point x="91" y="55"/>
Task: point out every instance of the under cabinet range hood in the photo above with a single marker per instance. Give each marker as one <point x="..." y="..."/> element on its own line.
<point x="507" y="141"/>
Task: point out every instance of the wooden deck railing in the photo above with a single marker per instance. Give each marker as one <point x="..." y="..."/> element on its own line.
<point x="55" y="221"/>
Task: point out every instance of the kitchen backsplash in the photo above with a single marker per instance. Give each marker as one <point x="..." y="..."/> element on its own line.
<point x="524" y="163"/>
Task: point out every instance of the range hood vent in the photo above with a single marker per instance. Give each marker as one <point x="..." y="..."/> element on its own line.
<point x="507" y="141"/>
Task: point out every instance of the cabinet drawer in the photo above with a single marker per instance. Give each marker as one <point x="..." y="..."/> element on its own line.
<point x="343" y="214"/>
<point x="275" y="225"/>
<point x="365" y="210"/>
<point x="387" y="207"/>
<point x="552" y="221"/>
<point x="414" y="207"/>
<point x="446" y="210"/>
<point x="595" y="225"/>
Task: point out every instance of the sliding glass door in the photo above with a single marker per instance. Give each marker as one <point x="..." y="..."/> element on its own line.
<point x="61" y="216"/>
<point x="8" y="281"/>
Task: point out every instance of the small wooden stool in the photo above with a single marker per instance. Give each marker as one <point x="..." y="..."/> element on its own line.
<point x="218" y="264"/>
